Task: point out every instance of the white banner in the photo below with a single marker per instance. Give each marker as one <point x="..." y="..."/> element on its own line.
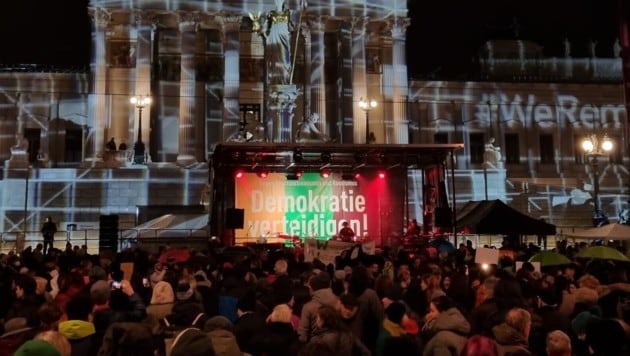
<point x="326" y="251"/>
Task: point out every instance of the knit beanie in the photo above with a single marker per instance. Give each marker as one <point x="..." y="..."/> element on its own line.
<point x="162" y="293"/>
<point x="37" y="348"/>
<point x="192" y="342"/>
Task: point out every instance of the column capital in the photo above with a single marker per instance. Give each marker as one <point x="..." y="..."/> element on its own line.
<point x="100" y="17"/>
<point x="359" y="24"/>
<point x="229" y="21"/>
<point x="317" y="23"/>
<point x="188" y="21"/>
<point x="144" y="18"/>
<point x="398" y="27"/>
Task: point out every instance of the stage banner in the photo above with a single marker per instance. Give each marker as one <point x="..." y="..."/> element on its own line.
<point x="326" y="251"/>
<point x="316" y="207"/>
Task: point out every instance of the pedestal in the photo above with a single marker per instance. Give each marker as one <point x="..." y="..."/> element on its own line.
<point x="19" y="159"/>
<point x="281" y="111"/>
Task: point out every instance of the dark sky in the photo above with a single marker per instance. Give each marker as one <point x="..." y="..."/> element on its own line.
<point x="443" y="37"/>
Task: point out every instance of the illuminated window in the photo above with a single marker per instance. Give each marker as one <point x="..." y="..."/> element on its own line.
<point x="476" y="148"/>
<point x="512" y="151"/>
<point x="547" y="154"/>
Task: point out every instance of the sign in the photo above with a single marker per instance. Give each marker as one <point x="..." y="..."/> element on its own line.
<point x="488" y="256"/>
<point x="316" y="207"/>
<point x="326" y="251"/>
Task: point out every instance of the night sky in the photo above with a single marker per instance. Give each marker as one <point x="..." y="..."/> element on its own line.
<point x="443" y="36"/>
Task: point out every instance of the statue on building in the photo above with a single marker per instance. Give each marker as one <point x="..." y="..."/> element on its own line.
<point x="276" y="30"/>
<point x="307" y="131"/>
<point x="492" y="153"/>
<point x="567" y="47"/>
<point x="617" y="48"/>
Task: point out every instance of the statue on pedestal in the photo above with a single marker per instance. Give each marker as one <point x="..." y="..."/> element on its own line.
<point x="492" y="153"/>
<point x="308" y="132"/>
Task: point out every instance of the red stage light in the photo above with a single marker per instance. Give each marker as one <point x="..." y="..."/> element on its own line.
<point x="357" y="175"/>
<point x="381" y="174"/>
<point x="298" y="173"/>
<point x="325" y="173"/>
<point x="239" y="173"/>
<point x="263" y="173"/>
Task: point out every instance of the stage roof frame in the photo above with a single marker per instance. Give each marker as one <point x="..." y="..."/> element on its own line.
<point x="313" y="156"/>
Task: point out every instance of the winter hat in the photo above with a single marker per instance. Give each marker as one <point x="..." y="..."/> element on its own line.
<point x="581" y="321"/>
<point x="395" y="312"/>
<point x="192" y="342"/>
<point x="281" y="313"/>
<point x="184" y="291"/>
<point x="37" y="348"/>
<point x="218" y="323"/>
<point x="100" y="292"/>
<point x="97" y="273"/>
<point x="162" y="293"/>
<point x="15" y="326"/>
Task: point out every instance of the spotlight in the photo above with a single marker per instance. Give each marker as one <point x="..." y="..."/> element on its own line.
<point x="297" y="156"/>
<point x="325" y="173"/>
<point x="262" y="173"/>
<point x="381" y="174"/>
<point x="325" y="157"/>
<point x="239" y="173"/>
<point x="295" y="175"/>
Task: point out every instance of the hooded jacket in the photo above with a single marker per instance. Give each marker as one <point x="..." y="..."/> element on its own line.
<point x="309" y="311"/>
<point x="450" y="330"/>
<point x="510" y="342"/>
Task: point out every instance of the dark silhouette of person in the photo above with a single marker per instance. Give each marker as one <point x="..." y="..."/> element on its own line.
<point x="122" y="146"/>
<point x="346" y="233"/>
<point x="48" y="231"/>
<point x="111" y="145"/>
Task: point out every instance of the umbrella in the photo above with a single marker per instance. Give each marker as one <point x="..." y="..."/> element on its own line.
<point x="550" y="258"/>
<point x="443" y="245"/>
<point x="608" y="232"/>
<point x="603" y="253"/>
<point x="175" y="256"/>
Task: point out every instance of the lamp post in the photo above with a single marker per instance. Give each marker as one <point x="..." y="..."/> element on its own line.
<point x="138" y="148"/>
<point x="367" y="106"/>
<point x="594" y="148"/>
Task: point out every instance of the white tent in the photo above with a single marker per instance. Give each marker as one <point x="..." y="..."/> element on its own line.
<point x="608" y="232"/>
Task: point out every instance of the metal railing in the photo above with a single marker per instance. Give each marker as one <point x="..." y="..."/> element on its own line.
<point x="18" y="240"/>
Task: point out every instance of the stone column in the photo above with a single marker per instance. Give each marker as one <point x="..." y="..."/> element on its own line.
<point x="400" y="81"/>
<point x="281" y="110"/>
<point x="231" y="25"/>
<point x="306" y="34"/>
<point x="359" y="82"/>
<point x="186" y="154"/>
<point x="97" y="110"/>
<point x="144" y="26"/>
<point x="317" y="82"/>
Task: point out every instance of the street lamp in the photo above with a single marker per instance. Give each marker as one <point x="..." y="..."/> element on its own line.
<point x="367" y="106"/>
<point x="138" y="148"/>
<point x="595" y="147"/>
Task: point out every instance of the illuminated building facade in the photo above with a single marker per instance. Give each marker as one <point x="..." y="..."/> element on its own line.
<point x="211" y="77"/>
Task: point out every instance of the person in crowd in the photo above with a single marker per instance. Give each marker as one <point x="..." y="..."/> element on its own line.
<point x="249" y="323"/>
<point x="392" y="334"/>
<point x="446" y="329"/>
<point x="127" y="338"/>
<point x="479" y="345"/>
<point x="49" y="316"/>
<point x="78" y="329"/>
<point x="59" y="341"/>
<point x="278" y="337"/>
<point x="191" y="342"/>
<point x="282" y="285"/>
<point x="370" y="314"/>
<point x="37" y="347"/>
<point x="322" y="294"/>
<point x="558" y="344"/>
<point x="301" y="296"/>
<point x="331" y="331"/>
<point x="220" y="331"/>
<point x="346" y="233"/>
<point x="111" y="144"/>
<point x="49" y="229"/>
<point x="16" y="333"/>
<point x="70" y="284"/>
<point x="162" y="301"/>
<point x="27" y="302"/>
<point x="513" y="333"/>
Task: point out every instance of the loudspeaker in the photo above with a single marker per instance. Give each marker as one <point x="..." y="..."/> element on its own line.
<point x="443" y="217"/>
<point x="234" y="218"/>
<point x="108" y="233"/>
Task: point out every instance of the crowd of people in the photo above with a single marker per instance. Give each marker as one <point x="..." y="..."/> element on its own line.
<point x="72" y="303"/>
